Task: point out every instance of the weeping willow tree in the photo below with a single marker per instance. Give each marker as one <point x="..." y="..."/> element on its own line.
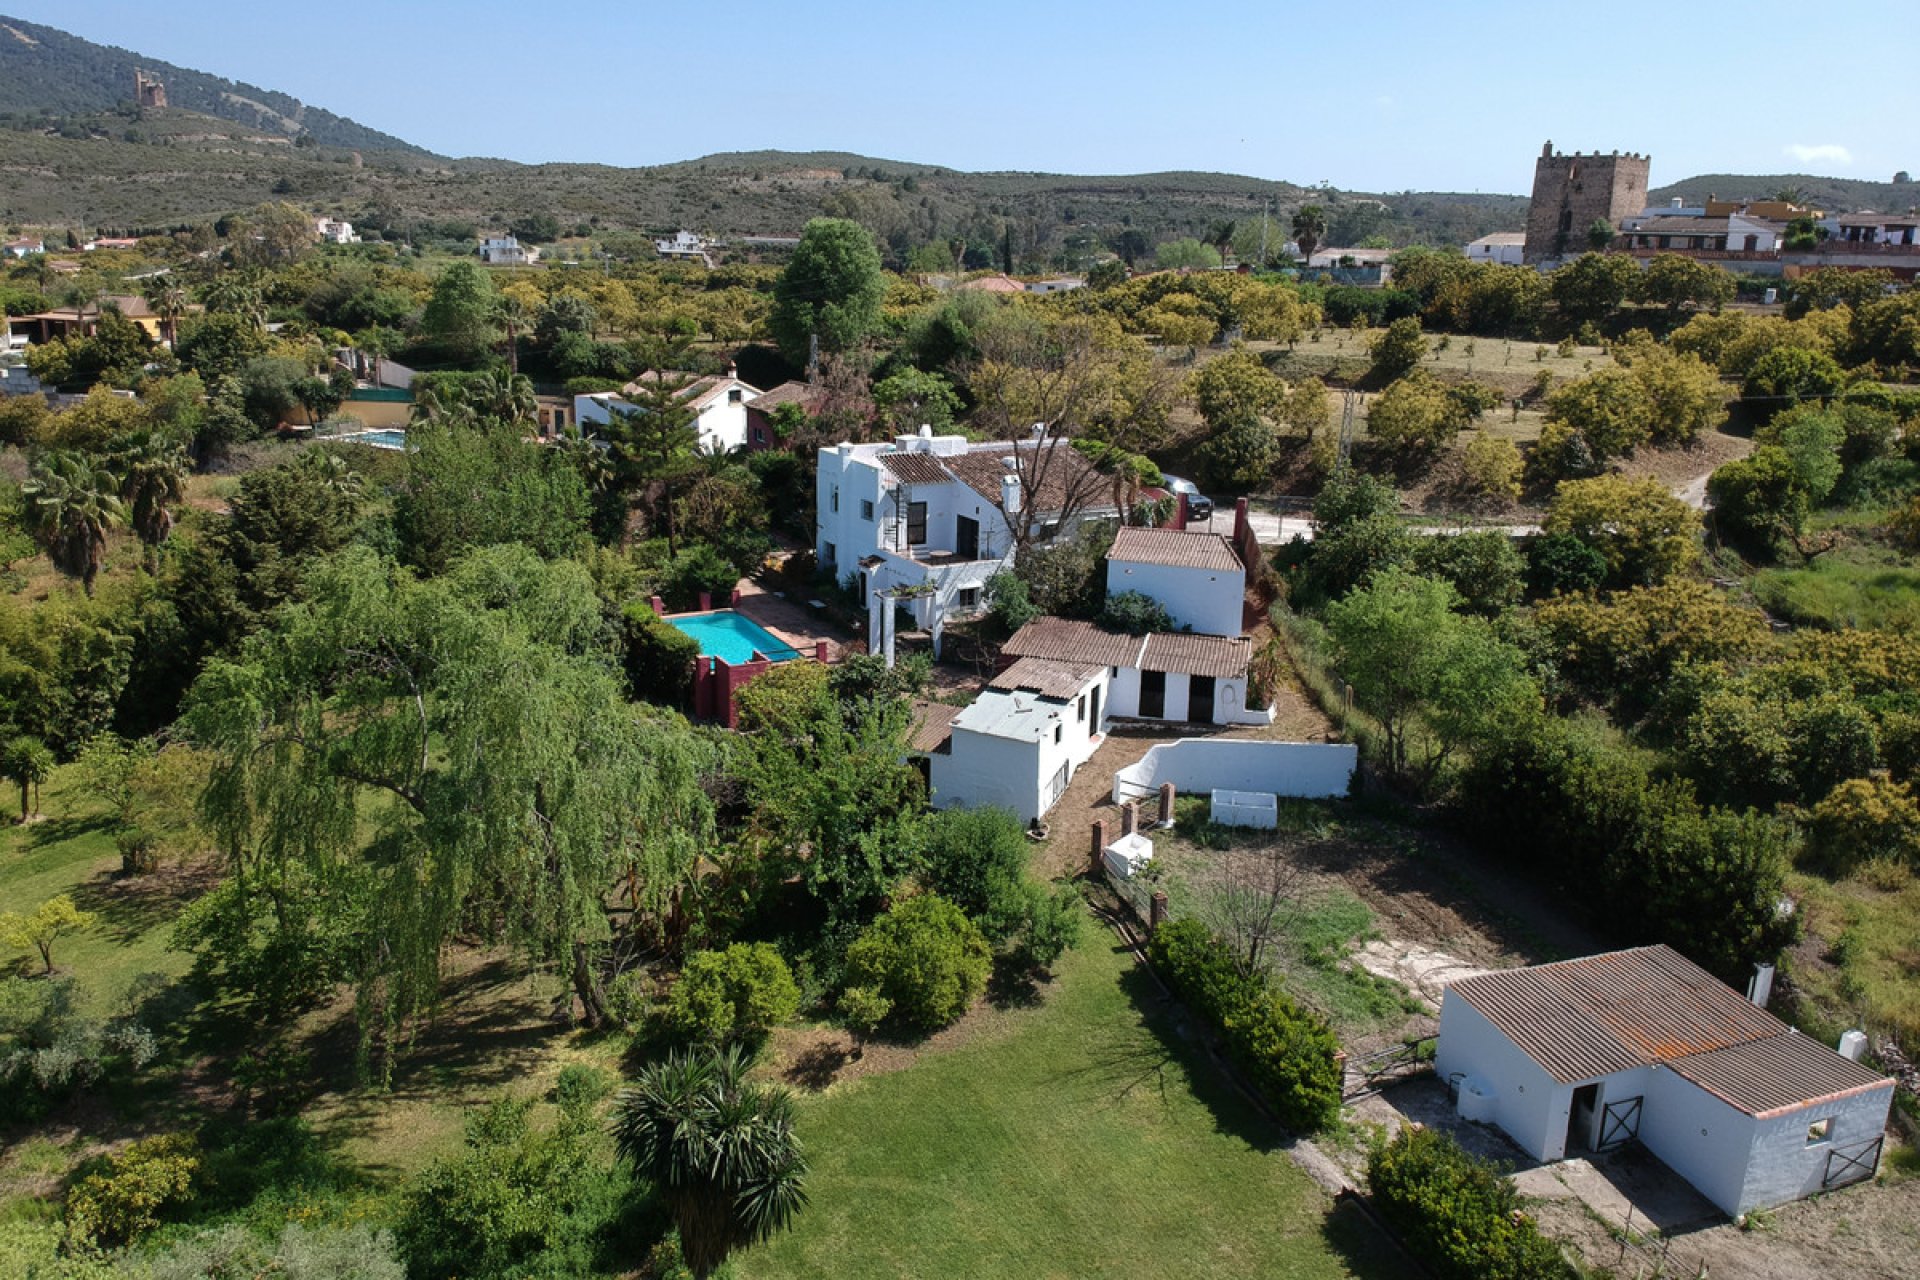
<point x="453" y="756"/>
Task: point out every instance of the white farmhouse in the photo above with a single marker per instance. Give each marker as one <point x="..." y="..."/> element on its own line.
<point x="923" y="522"/>
<point x="719" y="403"/>
<point x="1587" y="1054"/>
<point x="507" y="251"/>
<point x="1503" y="248"/>
<point x="335" y="231"/>
<point x="1192" y="679"/>
<point x="25" y="247"/>
<point x="1197" y="577"/>
<point x="1018" y="744"/>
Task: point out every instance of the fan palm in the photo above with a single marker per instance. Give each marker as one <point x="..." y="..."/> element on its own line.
<point x="509" y="399"/>
<point x="1309" y="226"/>
<point x="169" y="302"/>
<point x="152" y="471"/>
<point x="72" y="504"/>
<point x="720" y="1149"/>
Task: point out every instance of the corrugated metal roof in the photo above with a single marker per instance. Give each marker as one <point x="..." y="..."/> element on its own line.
<point x="915" y="468"/>
<point x="1219" y="656"/>
<point x="1585" y="1018"/>
<point x="1175" y="548"/>
<point x="1070" y="640"/>
<point x="1045" y="677"/>
<point x="1780" y="1073"/>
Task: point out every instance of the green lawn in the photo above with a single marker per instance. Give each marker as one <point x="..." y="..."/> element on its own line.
<point x="1080" y="1138"/>
<point x="1856" y="587"/>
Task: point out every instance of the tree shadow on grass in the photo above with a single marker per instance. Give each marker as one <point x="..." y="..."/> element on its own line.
<point x="1364" y="1244"/>
<point x="132" y="905"/>
<point x="56" y="830"/>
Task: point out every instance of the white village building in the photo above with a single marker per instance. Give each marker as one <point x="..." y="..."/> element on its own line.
<point x="719" y="403"/>
<point x="1191" y="679"/>
<point x="507" y="251"/>
<point x="1584" y="1055"/>
<point x="1018" y="744"/>
<point x="1503" y="248"/>
<point x="335" y="231"/>
<point x="923" y="522"/>
<point x="1198" y="578"/>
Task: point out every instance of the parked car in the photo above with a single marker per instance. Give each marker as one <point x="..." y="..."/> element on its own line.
<point x="1199" y="505"/>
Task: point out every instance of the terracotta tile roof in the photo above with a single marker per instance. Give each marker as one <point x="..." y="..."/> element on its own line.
<point x="932" y="726"/>
<point x="995" y="284"/>
<point x="1584" y="1018"/>
<point x="1061" y="474"/>
<point x="1877" y="220"/>
<point x="1780" y="1073"/>
<point x="1217" y="656"/>
<point x="1070" y="640"/>
<point x="1175" y="548"/>
<point x="800" y="393"/>
<point x="915" y="468"/>
<point x="1045" y="677"/>
<point x="699" y="393"/>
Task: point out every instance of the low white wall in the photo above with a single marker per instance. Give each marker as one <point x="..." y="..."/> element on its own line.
<point x="1528" y="1105"/>
<point x="1783" y="1166"/>
<point x="1308" y="770"/>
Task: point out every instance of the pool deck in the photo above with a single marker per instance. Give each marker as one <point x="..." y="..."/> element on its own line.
<point x="791" y="622"/>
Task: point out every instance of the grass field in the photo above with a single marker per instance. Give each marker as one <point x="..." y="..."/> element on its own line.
<point x="1082" y="1138"/>
<point x="1856" y="587"/>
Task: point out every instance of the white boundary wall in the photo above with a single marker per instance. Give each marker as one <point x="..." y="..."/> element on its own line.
<point x="1306" y="770"/>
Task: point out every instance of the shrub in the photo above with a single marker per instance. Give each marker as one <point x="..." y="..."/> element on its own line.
<point x="1758" y="501"/>
<point x="733" y="994"/>
<point x="1862" y="819"/>
<point x="1559" y="563"/>
<point x="1009" y="603"/>
<point x="358" y="1251"/>
<point x="1458" y="1213"/>
<point x="1491" y="467"/>
<point x="1289" y="1053"/>
<point x="925" y="957"/>
<point x="1397" y="349"/>
<point x="1135" y="613"/>
<point x="124" y="1196"/>
<point x="659" y="656"/>
<point x="698" y="569"/>
<point x="1645" y="533"/>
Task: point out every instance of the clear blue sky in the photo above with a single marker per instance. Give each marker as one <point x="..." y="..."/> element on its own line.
<point x="1387" y="96"/>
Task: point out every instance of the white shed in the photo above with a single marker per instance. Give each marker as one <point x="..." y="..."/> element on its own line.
<point x="1018" y="744"/>
<point x="1587" y="1054"/>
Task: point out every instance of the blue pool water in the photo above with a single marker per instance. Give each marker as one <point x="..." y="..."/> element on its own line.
<point x="385" y="438"/>
<point x="726" y="635"/>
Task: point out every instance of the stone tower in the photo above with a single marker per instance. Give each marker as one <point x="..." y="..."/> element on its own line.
<point x="148" y="91"/>
<point x="1571" y="192"/>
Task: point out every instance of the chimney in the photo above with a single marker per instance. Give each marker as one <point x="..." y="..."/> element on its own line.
<point x="1761" y="985"/>
<point x="1852" y="1045"/>
<point x="1676" y="203"/>
<point x="1009" y="489"/>
<point x="845" y="448"/>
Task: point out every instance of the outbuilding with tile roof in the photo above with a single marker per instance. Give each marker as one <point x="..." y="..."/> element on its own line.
<point x="1644" y="1045"/>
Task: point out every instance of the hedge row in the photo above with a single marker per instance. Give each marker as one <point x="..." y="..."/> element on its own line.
<point x="1289" y="1052"/>
<point x="1457" y="1213"/>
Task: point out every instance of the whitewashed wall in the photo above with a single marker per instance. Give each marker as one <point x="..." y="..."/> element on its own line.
<point x="1308" y="770"/>
<point x="1207" y="600"/>
<point x="1529" y="1106"/>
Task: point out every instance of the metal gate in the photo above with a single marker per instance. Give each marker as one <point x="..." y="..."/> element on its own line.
<point x="1619" y="1123"/>
<point x="1857" y="1165"/>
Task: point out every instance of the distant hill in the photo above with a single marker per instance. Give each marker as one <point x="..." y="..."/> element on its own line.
<point x="45" y="69"/>
<point x="1833" y="195"/>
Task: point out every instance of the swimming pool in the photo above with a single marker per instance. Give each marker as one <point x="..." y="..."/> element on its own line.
<point x="384" y="438"/>
<point x="732" y="638"/>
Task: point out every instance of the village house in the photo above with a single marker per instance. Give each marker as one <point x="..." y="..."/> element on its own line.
<point x="25" y="247"/>
<point x="335" y="231"/>
<point x="1198" y="578"/>
<point x="685" y="244"/>
<point x="1584" y="1055"/>
<point x="1166" y="676"/>
<point x="923" y="522"/>
<point x="81" y="321"/>
<point x="1855" y="229"/>
<point x="719" y="403"/>
<point x="761" y="432"/>
<point x="507" y="251"/>
<point x="1503" y="248"/>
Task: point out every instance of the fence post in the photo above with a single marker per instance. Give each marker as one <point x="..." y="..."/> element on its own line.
<point x="1166" y="805"/>
<point x="1157" y="910"/>
<point x="1129" y="817"/>
<point x="1099" y="842"/>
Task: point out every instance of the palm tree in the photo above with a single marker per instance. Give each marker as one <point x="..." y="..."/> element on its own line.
<point x="719" y="1148"/>
<point x="509" y="399"/>
<point x="1220" y="236"/>
<point x="239" y="293"/>
<point x="1309" y="226"/>
<point x="72" y="504"/>
<point x="152" y="471"/>
<point x="168" y="300"/>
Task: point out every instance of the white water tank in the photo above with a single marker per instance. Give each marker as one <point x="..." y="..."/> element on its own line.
<point x="1476" y="1100"/>
<point x="1852" y="1045"/>
<point x="1010" y="493"/>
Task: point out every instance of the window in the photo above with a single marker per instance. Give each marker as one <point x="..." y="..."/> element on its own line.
<point x="1056" y="733"/>
<point x="831" y="557"/>
<point x="866" y="509"/>
<point x="836" y="497"/>
<point x="1081" y="708"/>
<point x="733" y="396"/>
<point x="969" y="598"/>
<point x="1819" y="1131"/>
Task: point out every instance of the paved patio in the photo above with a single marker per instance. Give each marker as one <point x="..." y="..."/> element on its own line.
<point x="792" y="621"/>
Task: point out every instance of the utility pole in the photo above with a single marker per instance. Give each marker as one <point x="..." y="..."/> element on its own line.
<point x="1263" y="232"/>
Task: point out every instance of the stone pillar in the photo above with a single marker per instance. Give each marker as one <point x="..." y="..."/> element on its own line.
<point x="706" y="602"/>
<point x="1179" y="520"/>
<point x="1129" y="818"/>
<point x="1099" y="842"/>
<point x="820" y="652"/>
<point x="1157" y="910"/>
<point x="889" y="621"/>
<point x="659" y="606"/>
<point x="1166" y="805"/>
<point x="733" y="600"/>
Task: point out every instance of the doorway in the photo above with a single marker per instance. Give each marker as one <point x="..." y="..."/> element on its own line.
<point x="916" y="524"/>
<point x="1200" y="699"/>
<point x="966" y="538"/>
<point x="1153" y="694"/>
<point x="1095" y="727"/>
<point x="1580" y="1118"/>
